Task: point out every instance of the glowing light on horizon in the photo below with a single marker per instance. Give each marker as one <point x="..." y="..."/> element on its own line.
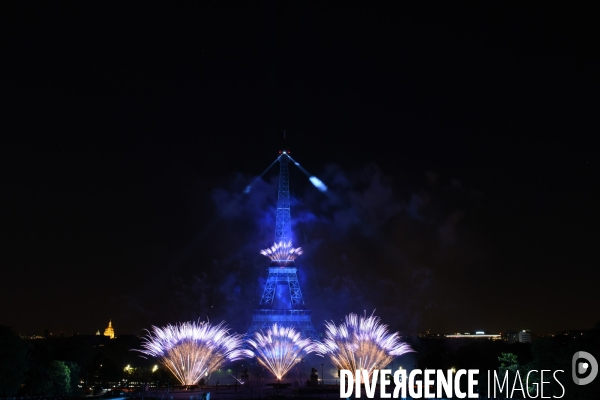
<point x="279" y="348"/>
<point x="361" y="343"/>
<point x="318" y="183"/>
<point x="282" y="253"/>
<point x="190" y="350"/>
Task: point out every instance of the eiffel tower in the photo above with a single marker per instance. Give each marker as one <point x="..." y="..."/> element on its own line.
<point x="282" y="301"/>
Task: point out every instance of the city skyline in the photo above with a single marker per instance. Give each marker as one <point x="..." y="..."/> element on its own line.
<point x="457" y="146"/>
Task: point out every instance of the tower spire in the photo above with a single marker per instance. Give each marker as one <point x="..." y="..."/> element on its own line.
<point x="283" y="225"/>
<point x="283" y="253"/>
<point x="283" y="222"/>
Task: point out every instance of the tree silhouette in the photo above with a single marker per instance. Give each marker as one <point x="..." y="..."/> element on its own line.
<point x="14" y="355"/>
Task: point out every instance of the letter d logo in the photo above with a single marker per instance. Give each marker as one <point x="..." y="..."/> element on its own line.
<point x="582" y="368"/>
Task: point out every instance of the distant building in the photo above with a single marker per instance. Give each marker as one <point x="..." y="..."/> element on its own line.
<point x="511" y="337"/>
<point x="524" y="336"/>
<point x="454" y="341"/>
<point x="476" y="335"/>
<point x="110" y="332"/>
<point x="30" y="337"/>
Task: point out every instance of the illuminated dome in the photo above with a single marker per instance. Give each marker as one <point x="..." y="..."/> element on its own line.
<point x="110" y="332"/>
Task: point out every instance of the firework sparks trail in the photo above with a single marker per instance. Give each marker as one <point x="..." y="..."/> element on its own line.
<point x="190" y="350"/>
<point x="282" y="253"/>
<point x="279" y="348"/>
<point x="238" y="380"/>
<point x="361" y="343"/>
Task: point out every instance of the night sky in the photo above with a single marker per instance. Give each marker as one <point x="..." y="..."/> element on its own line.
<point x="459" y="144"/>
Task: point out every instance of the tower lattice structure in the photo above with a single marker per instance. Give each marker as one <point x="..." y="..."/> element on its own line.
<point x="282" y="301"/>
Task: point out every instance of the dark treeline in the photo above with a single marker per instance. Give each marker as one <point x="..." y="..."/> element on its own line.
<point x="546" y="353"/>
<point x="63" y="366"/>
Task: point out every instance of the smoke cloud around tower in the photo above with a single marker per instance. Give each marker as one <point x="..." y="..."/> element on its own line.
<point x="370" y="242"/>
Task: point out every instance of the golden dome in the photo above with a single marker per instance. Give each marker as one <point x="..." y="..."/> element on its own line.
<point x="110" y="332"/>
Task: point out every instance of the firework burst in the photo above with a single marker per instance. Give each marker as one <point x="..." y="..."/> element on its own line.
<point x="361" y="343"/>
<point x="189" y="349"/>
<point x="279" y="348"/>
<point x="282" y="253"/>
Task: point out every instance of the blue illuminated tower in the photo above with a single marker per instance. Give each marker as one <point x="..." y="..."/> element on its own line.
<point x="282" y="301"/>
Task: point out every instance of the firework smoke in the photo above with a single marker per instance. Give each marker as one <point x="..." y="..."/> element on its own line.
<point x="282" y="253"/>
<point x="361" y="343"/>
<point x="189" y="349"/>
<point x="279" y="348"/>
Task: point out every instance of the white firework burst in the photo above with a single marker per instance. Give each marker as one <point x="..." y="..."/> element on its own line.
<point x="282" y="253"/>
<point x="361" y="343"/>
<point x="279" y="348"/>
<point x="190" y="350"/>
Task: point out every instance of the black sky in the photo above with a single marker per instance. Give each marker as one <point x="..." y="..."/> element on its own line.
<point x="459" y="142"/>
